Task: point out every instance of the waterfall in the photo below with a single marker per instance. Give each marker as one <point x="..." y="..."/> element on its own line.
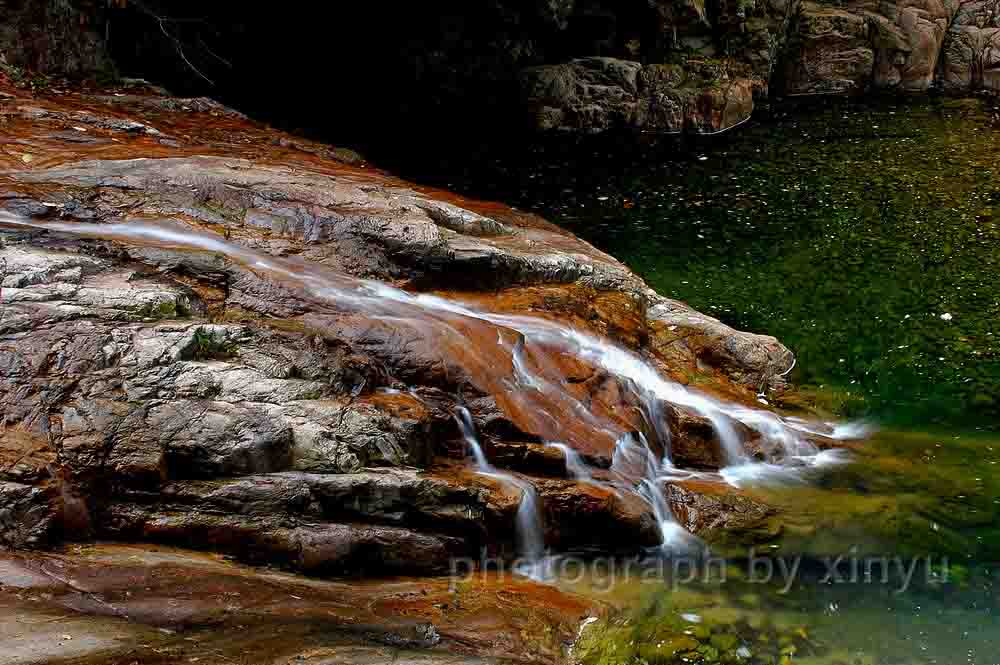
<point x="529" y="528"/>
<point x="637" y="469"/>
<point x="518" y="369"/>
<point x="575" y="466"/>
<point x="530" y="532"/>
<point x="468" y="429"/>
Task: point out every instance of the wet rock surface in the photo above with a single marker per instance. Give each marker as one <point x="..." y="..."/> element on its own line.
<point x="153" y="392"/>
<point x="127" y="368"/>
<point x="123" y="604"/>
<point x="721" y="515"/>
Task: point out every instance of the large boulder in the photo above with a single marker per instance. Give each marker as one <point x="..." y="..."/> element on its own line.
<point x="971" y="59"/>
<point x="831" y="52"/>
<point x="598" y="94"/>
<point x="267" y="390"/>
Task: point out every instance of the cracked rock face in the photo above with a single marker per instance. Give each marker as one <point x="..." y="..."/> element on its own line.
<point x="155" y="392"/>
<point x="908" y="46"/>
<point x="597" y="94"/>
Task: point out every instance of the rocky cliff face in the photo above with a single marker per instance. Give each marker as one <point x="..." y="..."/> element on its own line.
<point x="204" y="395"/>
<point x="906" y="47"/>
<point x="720" y="56"/>
<point x="53" y="37"/>
<point x="664" y="66"/>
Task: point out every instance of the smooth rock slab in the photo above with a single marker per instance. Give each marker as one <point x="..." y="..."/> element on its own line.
<point x="32" y="637"/>
<point x="164" y="605"/>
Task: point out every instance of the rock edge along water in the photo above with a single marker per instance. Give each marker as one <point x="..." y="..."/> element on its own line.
<point x="152" y="392"/>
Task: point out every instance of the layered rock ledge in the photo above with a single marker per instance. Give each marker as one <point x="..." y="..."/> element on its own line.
<point x="154" y="393"/>
<point x="100" y="604"/>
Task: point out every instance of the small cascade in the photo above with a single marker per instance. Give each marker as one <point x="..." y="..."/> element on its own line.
<point x="468" y="429"/>
<point x="637" y="469"/>
<point x="517" y="368"/>
<point x="529" y="527"/>
<point x="575" y="466"/>
<point x="530" y="531"/>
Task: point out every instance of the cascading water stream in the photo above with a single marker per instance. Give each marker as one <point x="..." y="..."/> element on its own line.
<point x="575" y="466"/>
<point x="530" y="530"/>
<point x="468" y="429"/>
<point x="528" y="385"/>
<point x="636" y="468"/>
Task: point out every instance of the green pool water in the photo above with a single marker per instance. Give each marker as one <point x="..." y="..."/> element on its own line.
<point x="890" y="559"/>
<point x="861" y="235"/>
<point x="742" y="621"/>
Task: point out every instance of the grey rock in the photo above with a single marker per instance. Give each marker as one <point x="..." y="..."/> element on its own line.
<point x="211" y="438"/>
<point x="598" y="94"/>
<point x="971" y="58"/>
<point x="755" y="361"/>
<point x="309" y="547"/>
<point x="28" y="516"/>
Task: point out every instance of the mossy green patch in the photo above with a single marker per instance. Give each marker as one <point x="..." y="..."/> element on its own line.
<point x="208" y="345"/>
<point x="164" y="309"/>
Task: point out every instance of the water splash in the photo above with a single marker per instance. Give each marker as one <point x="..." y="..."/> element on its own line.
<point x="636" y="468"/>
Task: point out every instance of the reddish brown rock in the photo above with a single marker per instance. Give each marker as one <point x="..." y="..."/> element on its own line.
<point x="585" y="515"/>
<point x="164" y="605"/>
<point x="177" y="392"/>
<point x="971" y="58"/>
<point x="694" y="442"/>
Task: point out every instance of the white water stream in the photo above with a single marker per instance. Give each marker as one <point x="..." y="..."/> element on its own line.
<point x="530" y="529"/>
<point x="536" y="387"/>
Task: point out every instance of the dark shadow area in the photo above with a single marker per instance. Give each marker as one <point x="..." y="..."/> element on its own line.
<point x="372" y="76"/>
